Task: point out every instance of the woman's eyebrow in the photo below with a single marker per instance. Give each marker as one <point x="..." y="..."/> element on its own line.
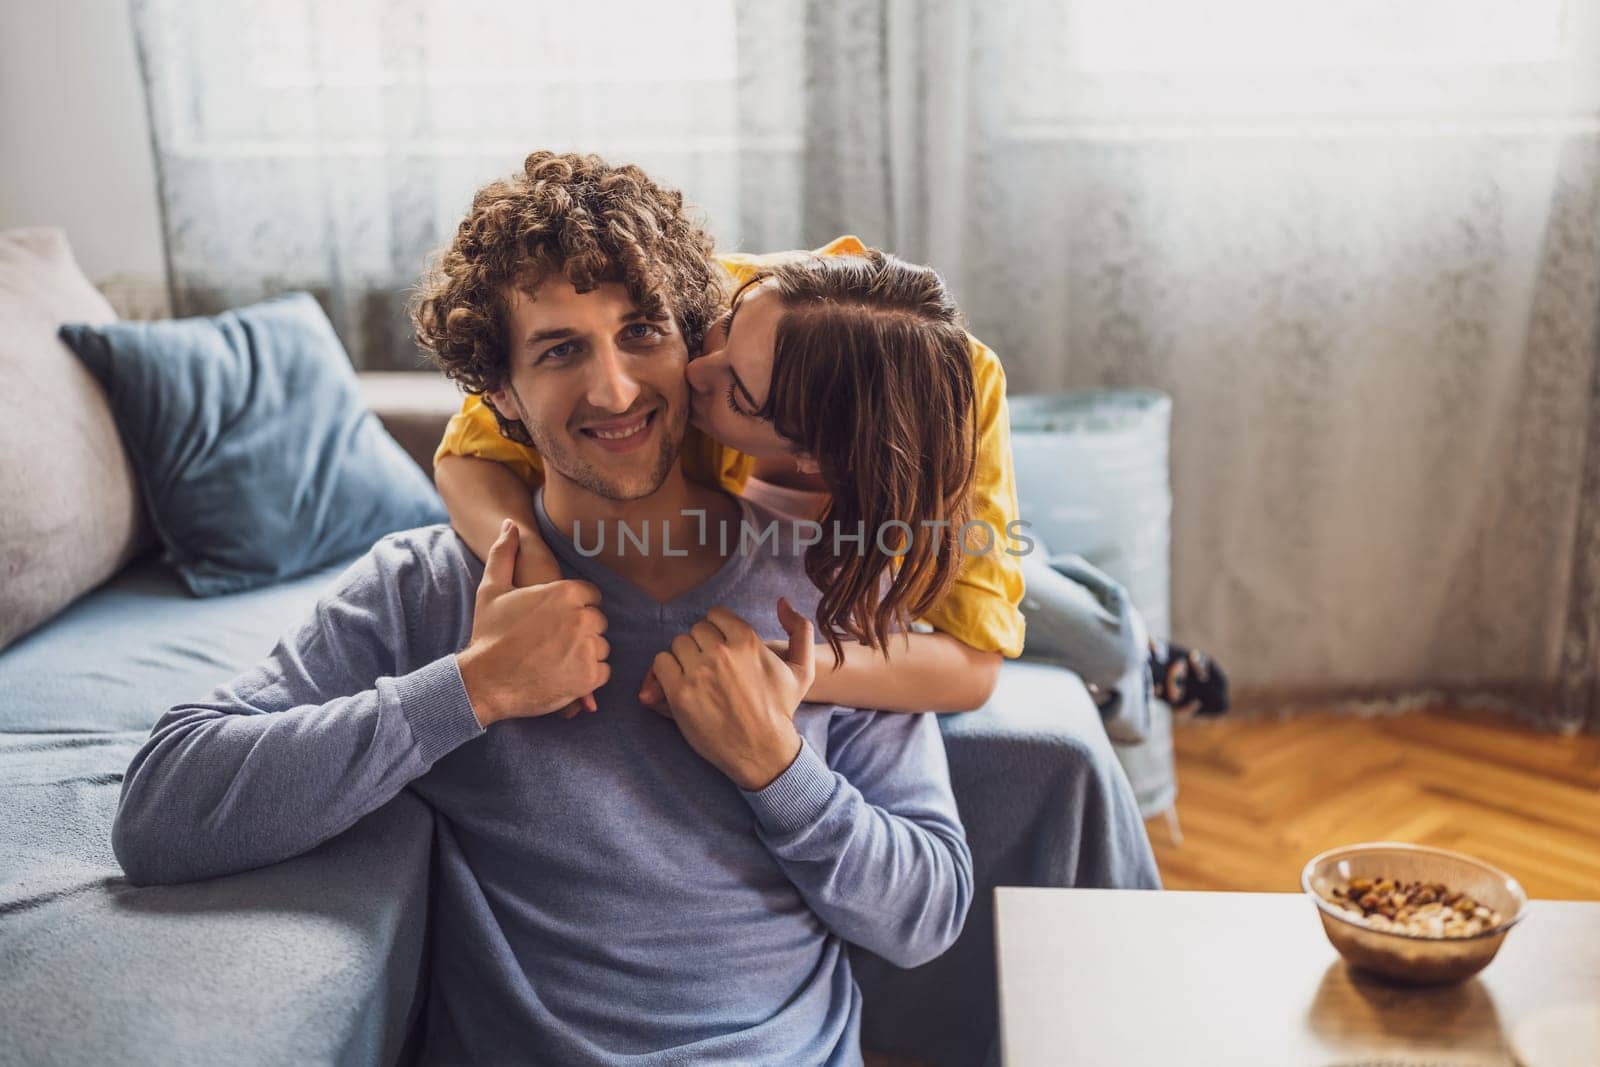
<point x="738" y="297"/>
<point x="738" y="383"/>
<point x="733" y="309"/>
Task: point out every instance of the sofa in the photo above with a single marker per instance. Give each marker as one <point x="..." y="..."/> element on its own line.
<point x="323" y="958"/>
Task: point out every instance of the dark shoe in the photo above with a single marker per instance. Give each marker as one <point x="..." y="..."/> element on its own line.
<point x="1188" y="679"/>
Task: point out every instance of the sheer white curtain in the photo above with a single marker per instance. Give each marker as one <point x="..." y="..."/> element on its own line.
<point x="1359" y="243"/>
<point x="331" y="144"/>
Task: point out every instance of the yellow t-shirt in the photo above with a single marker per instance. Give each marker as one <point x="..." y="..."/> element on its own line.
<point x="980" y="610"/>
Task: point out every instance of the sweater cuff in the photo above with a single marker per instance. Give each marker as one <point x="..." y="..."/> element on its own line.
<point x="435" y="704"/>
<point x="797" y="797"/>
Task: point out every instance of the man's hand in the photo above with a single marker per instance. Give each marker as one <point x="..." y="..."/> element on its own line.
<point x="537" y="565"/>
<point x="734" y="698"/>
<point x="533" y="651"/>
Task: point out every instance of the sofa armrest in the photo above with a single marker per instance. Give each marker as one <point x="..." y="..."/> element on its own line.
<point x="414" y="406"/>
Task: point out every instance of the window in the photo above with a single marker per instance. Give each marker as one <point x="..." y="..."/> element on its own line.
<point x="1104" y="67"/>
<point x="442" y="78"/>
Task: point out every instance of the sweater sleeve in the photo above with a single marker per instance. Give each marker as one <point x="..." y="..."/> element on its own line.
<point x="871" y="836"/>
<point x="330" y="727"/>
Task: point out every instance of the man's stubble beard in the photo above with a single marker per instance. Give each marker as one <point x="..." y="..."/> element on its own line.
<point x="559" y="458"/>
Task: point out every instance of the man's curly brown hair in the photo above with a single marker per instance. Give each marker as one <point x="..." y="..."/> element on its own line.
<point x="564" y="214"/>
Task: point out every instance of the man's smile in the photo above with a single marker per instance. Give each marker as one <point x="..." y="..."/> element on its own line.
<point x="622" y="435"/>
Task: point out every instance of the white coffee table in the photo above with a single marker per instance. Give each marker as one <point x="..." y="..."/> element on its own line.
<point x="1101" y="977"/>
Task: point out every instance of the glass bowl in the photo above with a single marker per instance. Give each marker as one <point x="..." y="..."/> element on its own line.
<point x="1413" y="959"/>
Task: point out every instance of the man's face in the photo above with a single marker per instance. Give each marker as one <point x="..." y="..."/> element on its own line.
<point x="599" y="387"/>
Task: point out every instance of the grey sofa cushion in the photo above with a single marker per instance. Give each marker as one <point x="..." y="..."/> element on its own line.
<point x="315" y="960"/>
<point x="121" y="656"/>
<point x="70" y="516"/>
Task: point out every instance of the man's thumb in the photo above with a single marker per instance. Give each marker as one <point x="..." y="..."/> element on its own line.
<point x="800" y="652"/>
<point x="501" y="565"/>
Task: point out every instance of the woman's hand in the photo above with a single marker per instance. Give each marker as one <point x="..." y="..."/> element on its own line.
<point x="650" y="692"/>
<point x="733" y="698"/>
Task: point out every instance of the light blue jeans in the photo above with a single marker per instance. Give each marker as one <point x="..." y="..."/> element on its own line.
<point x="1080" y="618"/>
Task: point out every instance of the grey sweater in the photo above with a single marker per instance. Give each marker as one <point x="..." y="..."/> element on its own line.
<point x="603" y="893"/>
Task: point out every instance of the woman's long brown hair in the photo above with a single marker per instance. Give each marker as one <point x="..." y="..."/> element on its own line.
<point x="872" y="376"/>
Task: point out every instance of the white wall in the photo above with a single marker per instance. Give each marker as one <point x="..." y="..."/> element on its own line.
<point x="74" y="136"/>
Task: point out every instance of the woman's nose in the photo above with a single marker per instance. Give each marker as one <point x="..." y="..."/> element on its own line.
<point x="704" y="373"/>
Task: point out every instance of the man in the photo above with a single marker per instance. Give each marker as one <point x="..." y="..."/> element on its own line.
<point x="667" y="889"/>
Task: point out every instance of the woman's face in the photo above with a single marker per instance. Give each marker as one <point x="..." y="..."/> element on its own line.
<point x="731" y="380"/>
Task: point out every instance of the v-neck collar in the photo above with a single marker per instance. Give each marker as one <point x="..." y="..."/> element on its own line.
<point x="696" y="601"/>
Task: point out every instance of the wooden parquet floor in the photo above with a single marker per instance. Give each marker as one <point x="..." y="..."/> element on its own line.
<point x="1257" y="797"/>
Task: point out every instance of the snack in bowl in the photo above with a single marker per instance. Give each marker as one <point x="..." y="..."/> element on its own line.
<point x="1382" y="920"/>
<point x="1421" y="909"/>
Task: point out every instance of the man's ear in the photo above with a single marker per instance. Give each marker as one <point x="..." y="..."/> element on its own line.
<point x="503" y="402"/>
<point x="806" y="465"/>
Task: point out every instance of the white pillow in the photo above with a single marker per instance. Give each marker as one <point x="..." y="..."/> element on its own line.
<point x="70" y="515"/>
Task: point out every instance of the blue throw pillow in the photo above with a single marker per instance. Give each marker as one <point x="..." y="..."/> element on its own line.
<point x="256" y="455"/>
